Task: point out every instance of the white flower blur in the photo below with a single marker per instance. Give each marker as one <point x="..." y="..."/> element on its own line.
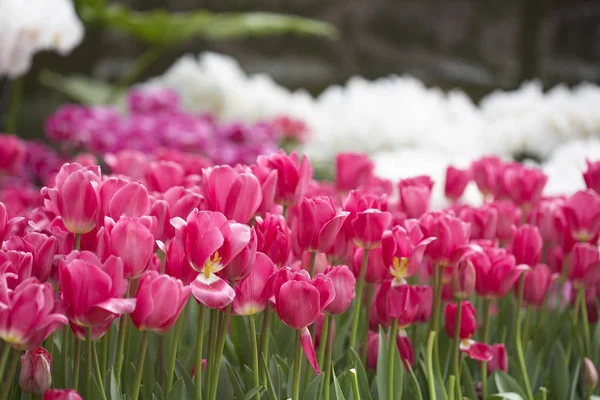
<point x="29" y="26"/>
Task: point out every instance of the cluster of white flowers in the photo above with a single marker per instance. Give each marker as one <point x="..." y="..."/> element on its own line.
<point x="29" y="26"/>
<point x="407" y="127"/>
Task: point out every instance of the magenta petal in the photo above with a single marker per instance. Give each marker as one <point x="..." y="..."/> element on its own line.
<point x="118" y="306"/>
<point x="478" y="351"/>
<point x="213" y="292"/>
<point x="309" y="350"/>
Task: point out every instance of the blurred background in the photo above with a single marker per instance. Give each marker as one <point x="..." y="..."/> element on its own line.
<point x="475" y="45"/>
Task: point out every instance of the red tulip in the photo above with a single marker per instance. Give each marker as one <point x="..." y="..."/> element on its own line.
<point x="93" y="291"/>
<point x="28" y="314"/>
<point x="152" y="312"/>
<point x="415" y="195"/>
<point x="456" y="182"/>
<point x="403" y="252"/>
<point x="253" y="292"/>
<point x="499" y="361"/>
<point x="405" y="348"/>
<point x="36" y="371"/>
<point x="344" y="282"/>
<point x="451" y="233"/>
<point x="536" y="285"/>
<point x="293" y="175"/>
<point x="582" y="213"/>
<point x="368" y="227"/>
<point x="352" y="170"/>
<point x="273" y="238"/>
<point x="584" y="268"/>
<point x="224" y="187"/>
<point x="467" y="320"/>
<point x="42" y="248"/>
<point x="317" y="224"/>
<point x="62" y="394"/>
<point x="75" y="197"/>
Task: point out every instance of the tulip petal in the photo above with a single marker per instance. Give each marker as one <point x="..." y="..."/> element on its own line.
<point x="309" y="349"/>
<point x="477" y="351"/>
<point x="213" y="292"/>
<point x="118" y="306"/>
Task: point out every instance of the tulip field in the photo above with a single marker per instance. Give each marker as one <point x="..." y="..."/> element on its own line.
<point x="214" y="265"/>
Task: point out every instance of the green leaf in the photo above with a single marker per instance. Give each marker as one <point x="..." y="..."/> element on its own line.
<point x="252" y="392"/>
<point x="112" y="388"/>
<point x="559" y="373"/>
<point x="178" y="391"/>
<point x="182" y="373"/>
<point x="467" y="382"/>
<point x="339" y="395"/>
<point x="506" y="396"/>
<point x="507" y="384"/>
<point x="270" y="386"/>
<point x="78" y="88"/>
<point x="575" y="381"/>
<point x="415" y="381"/>
<point x="363" y="381"/>
<point x="312" y="389"/>
<point x="148" y="377"/>
<point x="237" y="385"/>
<point x="383" y="368"/>
<point x="166" y="28"/>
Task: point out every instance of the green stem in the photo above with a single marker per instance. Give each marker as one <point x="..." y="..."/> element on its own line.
<point x="64" y="346"/>
<point x="313" y="262"/>
<point x="358" y="299"/>
<point x="14" y="107"/>
<point x="264" y="342"/>
<point x="140" y="65"/>
<point x="485" y="338"/>
<point x="322" y="343"/>
<point x="430" y="376"/>
<point x="160" y="375"/>
<point x="77" y="241"/>
<point x="586" y="323"/>
<point x="392" y="348"/>
<point x="104" y="343"/>
<point x="88" y="362"/>
<point x="255" y="371"/>
<point x="99" y="373"/>
<point x="173" y="355"/>
<point x="139" y="369"/>
<point x="12" y="370"/>
<point x="121" y="342"/>
<point x="222" y="335"/>
<point x="297" y="368"/>
<point x="76" y="363"/>
<point x="438" y="272"/>
<point x="455" y="349"/>
<point x="328" y="357"/>
<point x="451" y="385"/>
<point x="519" y="342"/>
<point x="199" y="340"/>
<point x="4" y="358"/>
<point x="210" y="356"/>
<point x="354" y="380"/>
<point x="525" y="337"/>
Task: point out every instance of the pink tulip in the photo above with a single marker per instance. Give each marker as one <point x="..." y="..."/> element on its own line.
<point x="293" y="175"/>
<point x="499" y="361"/>
<point x="456" y="182"/>
<point x="527" y="245"/>
<point x="485" y="174"/>
<point x="582" y="213"/>
<point x="483" y="221"/>
<point x="273" y="238"/>
<point x="237" y="195"/>
<point x="28" y="314"/>
<point x="451" y="234"/>
<point x="240" y="266"/>
<point x="42" y="248"/>
<point x="509" y="217"/>
<point x="400" y="301"/>
<point x="403" y="254"/>
<point x="549" y="216"/>
<point x="81" y="271"/>
<point x="536" y="285"/>
<point x="343" y="281"/>
<point x="415" y="195"/>
<point x="6" y="223"/>
<point x="592" y="175"/>
<point x="376" y="271"/>
<point x="119" y="198"/>
<point x="405" y="348"/>
<point x="317" y="224"/>
<point x="352" y="171"/>
<point x="175" y="202"/>
<point x="368" y="227"/>
<point x="467" y="320"/>
<point x="80" y="332"/>
<point x="253" y="292"/>
<point x="131" y="163"/>
<point x="162" y="175"/>
<point x="372" y="350"/>
<point x="319" y="331"/>
<point x="75" y="197"/>
<point x="425" y="305"/>
<point x="463" y="279"/>
<point x="176" y="263"/>
<point x="18" y="263"/>
<point x="12" y="154"/>
<point x="62" y="394"/>
<point x="584" y="268"/>
<point x="131" y="239"/>
<point x="496" y="271"/>
<point x="36" y="371"/>
<point x="361" y="200"/>
<point x="523" y="185"/>
<point x="268" y="186"/>
<point x="152" y="312"/>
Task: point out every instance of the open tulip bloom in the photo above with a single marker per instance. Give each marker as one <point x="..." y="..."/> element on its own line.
<point x="300" y="288"/>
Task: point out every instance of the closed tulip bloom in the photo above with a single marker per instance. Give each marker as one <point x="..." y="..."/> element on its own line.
<point x="368" y="227"/>
<point x="160" y="176"/>
<point x="75" y="197"/>
<point x="317" y="224"/>
<point x="319" y="331"/>
<point x="523" y="185"/>
<point x="268" y="186"/>
<point x="536" y="285"/>
<point x="483" y="221"/>
<point x="496" y="271"/>
<point x="591" y="176"/>
<point x="224" y="187"/>
<point x="376" y="271"/>
<point x="405" y="348"/>
<point x="589" y="376"/>
<point x="6" y="223"/>
<point x="509" y="217"/>
<point x="253" y="292"/>
<point x="402" y="252"/>
<point x="582" y="213"/>
<point x="456" y="182"/>
<point x="28" y="314"/>
<point x="362" y="200"/>
<point x="499" y="361"/>
<point x="451" y="233"/>
<point x="549" y="216"/>
<point x="131" y="200"/>
<point x="152" y="312"/>
<point x="344" y="282"/>
<point x="62" y="394"/>
<point x="36" y="371"/>
<point x="400" y="301"/>
<point x="467" y="320"/>
<point x="372" y="351"/>
<point x="527" y="245"/>
<point x="485" y="174"/>
<point x="463" y="279"/>
<point x="12" y="154"/>
<point x="81" y="271"/>
<point x="352" y="170"/>
<point x="131" y="239"/>
<point x="131" y="163"/>
<point x="18" y="263"/>
<point x="293" y="175"/>
<point x="415" y="195"/>
<point x="273" y="238"/>
<point x="425" y="305"/>
<point x="43" y="248"/>
<point x="584" y="267"/>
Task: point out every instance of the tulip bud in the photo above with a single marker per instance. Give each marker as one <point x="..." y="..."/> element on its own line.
<point x="590" y="375"/>
<point x="463" y="279"/>
<point x="36" y="375"/>
<point x="62" y="394"/>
